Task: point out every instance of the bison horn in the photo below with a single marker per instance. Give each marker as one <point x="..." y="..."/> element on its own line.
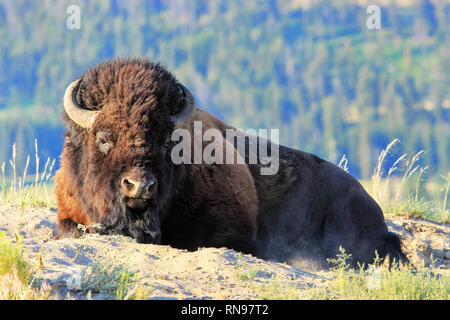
<point x="82" y="117"/>
<point x="188" y="106"/>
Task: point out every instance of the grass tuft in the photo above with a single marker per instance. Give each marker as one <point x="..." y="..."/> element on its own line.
<point x="105" y="277"/>
<point x="16" y="273"/>
<point x="376" y="283"/>
<point x="243" y="273"/>
<point x="277" y="289"/>
<point x="32" y="190"/>
<point x="13" y="259"/>
<point x="419" y="208"/>
<point x="397" y="189"/>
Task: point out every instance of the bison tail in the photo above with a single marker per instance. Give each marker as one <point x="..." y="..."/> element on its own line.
<point x="394" y="248"/>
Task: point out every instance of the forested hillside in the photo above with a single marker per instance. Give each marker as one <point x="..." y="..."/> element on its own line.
<point x="310" y="68"/>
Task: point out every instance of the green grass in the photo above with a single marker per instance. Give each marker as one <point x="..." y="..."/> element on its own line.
<point x="17" y="274"/>
<point x="243" y="273"/>
<point x="115" y="280"/>
<point x="277" y="289"/>
<point x="419" y="208"/>
<point x="13" y="258"/>
<point x="274" y="289"/>
<point x="377" y="283"/>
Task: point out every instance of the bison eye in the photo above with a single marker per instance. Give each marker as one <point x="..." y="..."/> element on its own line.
<point x="103" y="143"/>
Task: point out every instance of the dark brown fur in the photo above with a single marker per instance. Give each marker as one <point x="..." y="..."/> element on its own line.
<point x="137" y="98"/>
<point x="309" y="207"/>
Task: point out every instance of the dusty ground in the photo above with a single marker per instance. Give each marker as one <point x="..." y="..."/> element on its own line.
<point x="208" y="273"/>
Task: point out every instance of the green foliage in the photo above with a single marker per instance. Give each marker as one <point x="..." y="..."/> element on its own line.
<point x="373" y="282"/>
<point x="101" y="276"/>
<point x="13" y="258"/>
<point x="274" y="289"/>
<point x="419" y="208"/>
<point x="376" y="283"/>
<point x="17" y="276"/>
<point x="126" y="280"/>
<point x="277" y="289"/>
<point x="244" y="273"/>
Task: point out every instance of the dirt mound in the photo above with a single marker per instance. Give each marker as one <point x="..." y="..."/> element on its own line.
<point x="209" y="273"/>
<point x="425" y="242"/>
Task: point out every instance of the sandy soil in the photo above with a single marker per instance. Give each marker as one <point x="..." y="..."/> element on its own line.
<point x="209" y="273"/>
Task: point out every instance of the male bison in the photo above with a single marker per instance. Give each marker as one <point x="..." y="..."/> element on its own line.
<point x="116" y="171"/>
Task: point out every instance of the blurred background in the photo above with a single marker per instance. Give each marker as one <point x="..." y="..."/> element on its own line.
<point x="313" y="69"/>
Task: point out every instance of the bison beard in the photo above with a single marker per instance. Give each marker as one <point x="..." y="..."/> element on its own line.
<point x="116" y="171"/>
<point x="142" y="225"/>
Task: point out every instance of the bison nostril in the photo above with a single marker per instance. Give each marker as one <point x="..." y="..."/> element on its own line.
<point x="127" y="182"/>
<point x="128" y="185"/>
<point x="149" y="186"/>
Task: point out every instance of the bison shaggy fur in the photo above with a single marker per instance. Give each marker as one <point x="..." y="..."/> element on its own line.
<point x="310" y="207"/>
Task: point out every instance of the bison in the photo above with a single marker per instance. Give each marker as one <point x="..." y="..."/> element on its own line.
<point x="116" y="172"/>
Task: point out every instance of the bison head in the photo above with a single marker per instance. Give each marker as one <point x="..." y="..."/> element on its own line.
<point x="120" y="115"/>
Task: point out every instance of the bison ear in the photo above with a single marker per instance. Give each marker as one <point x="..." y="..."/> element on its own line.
<point x="188" y="106"/>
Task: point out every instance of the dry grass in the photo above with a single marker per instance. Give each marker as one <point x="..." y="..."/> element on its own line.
<point x="35" y="189"/>
<point x="12" y="288"/>
<point x="397" y="188"/>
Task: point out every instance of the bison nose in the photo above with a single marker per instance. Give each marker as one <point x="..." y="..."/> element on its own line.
<point x="139" y="189"/>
